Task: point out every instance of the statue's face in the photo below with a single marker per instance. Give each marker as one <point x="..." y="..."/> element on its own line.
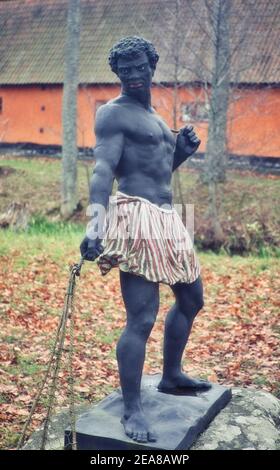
<point x="135" y="74"/>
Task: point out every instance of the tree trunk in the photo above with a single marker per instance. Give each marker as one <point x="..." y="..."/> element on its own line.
<point x="216" y="150"/>
<point x="177" y="185"/>
<point x="215" y="166"/>
<point x="69" y="111"/>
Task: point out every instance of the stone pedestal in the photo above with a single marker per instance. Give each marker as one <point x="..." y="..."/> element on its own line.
<point x="177" y="419"/>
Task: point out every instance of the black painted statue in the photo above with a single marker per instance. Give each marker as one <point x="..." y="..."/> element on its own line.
<point x="136" y="147"/>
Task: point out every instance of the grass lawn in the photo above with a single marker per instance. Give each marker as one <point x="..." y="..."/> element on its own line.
<point x="249" y="208"/>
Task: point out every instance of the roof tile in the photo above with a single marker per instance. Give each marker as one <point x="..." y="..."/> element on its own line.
<point x="32" y="38"/>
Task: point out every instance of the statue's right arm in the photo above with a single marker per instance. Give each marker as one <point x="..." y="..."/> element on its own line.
<point x="107" y="152"/>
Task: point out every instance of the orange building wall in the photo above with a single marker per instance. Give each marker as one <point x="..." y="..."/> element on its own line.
<point x="33" y="114"/>
<point x="22" y="119"/>
<point x="254" y="122"/>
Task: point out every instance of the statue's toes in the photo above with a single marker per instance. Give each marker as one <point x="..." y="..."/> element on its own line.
<point x="152" y="437"/>
<point x="142" y="437"/>
<point x="204" y="384"/>
<point x="134" y="436"/>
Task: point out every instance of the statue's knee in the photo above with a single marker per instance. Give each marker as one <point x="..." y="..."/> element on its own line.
<point x="199" y="303"/>
<point x="143" y="328"/>
<point x="192" y="306"/>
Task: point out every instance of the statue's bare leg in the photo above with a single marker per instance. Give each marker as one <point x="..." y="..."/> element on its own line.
<point x="189" y="300"/>
<point x="141" y="299"/>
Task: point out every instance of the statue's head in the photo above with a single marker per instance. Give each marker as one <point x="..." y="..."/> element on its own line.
<point x="132" y="47"/>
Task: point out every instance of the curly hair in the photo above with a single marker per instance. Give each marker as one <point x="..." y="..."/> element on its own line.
<point x="132" y="46"/>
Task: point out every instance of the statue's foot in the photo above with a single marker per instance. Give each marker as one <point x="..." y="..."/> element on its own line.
<point x="182" y="382"/>
<point x="137" y="428"/>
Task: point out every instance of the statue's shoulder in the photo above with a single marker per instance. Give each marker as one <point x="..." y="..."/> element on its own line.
<point x="122" y="103"/>
<point x="112" y="108"/>
<point x="109" y="115"/>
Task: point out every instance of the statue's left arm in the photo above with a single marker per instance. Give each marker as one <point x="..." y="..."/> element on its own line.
<point x="186" y="144"/>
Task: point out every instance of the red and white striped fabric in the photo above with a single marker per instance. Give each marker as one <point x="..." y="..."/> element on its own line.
<point x="147" y="240"/>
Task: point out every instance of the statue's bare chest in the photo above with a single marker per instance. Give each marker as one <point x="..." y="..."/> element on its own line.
<point x="146" y="128"/>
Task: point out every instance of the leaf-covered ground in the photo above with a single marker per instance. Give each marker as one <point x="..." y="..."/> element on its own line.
<point x="234" y="339"/>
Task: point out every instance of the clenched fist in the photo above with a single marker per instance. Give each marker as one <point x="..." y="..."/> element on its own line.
<point x="91" y="249"/>
<point x="187" y="141"/>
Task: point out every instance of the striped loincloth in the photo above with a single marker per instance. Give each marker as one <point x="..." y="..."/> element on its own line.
<point x="147" y="240"/>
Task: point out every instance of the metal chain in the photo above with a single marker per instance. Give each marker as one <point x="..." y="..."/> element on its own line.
<point x="70" y="359"/>
<point x="54" y="362"/>
<point x="71" y="375"/>
<point x="76" y="272"/>
<point x="38" y="396"/>
<point x="55" y="373"/>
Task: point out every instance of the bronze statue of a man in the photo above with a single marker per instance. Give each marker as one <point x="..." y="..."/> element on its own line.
<point x="135" y="146"/>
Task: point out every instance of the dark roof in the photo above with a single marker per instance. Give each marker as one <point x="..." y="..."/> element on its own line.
<point x="32" y="38"/>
